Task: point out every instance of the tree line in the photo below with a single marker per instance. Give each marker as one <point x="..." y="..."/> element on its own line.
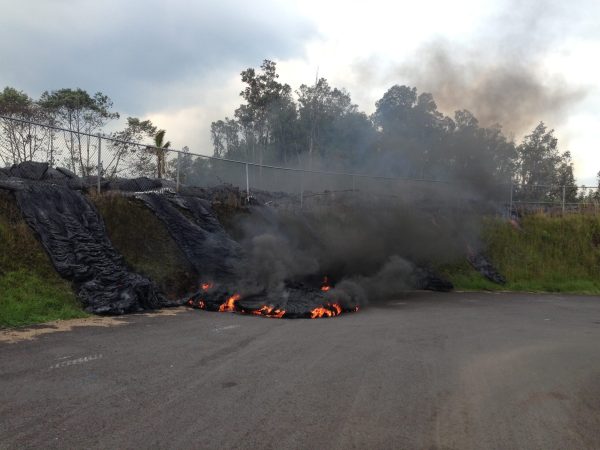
<point x="316" y="126"/>
<point x="406" y="136"/>
<point x="79" y="116"/>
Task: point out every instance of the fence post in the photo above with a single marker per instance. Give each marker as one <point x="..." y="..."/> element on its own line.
<point x="52" y="148"/>
<point x="301" y="188"/>
<point x="563" y="199"/>
<point x="99" y="161"/>
<point x="178" y="166"/>
<point x="247" y="185"/>
<point x="510" y="207"/>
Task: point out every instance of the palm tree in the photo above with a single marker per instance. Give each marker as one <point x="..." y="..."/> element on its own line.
<point x="159" y="147"/>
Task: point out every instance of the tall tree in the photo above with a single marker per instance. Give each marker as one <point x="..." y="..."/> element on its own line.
<point x="539" y="162"/>
<point x="330" y="124"/>
<point x="566" y="178"/>
<point x="79" y="112"/>
<point x="264" y="97"/>
<point x="129" y="154"/>
<point x="225" y="135"/>
<point x="410" y="128"/>
<point x="480" y="156"/>
<point x="22" y="140"/>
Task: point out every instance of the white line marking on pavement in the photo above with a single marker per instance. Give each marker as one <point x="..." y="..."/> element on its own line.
<point x="227" y="327"/>
<point x="73" y="362"/>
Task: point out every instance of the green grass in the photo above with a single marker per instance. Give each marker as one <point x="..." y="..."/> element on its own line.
<point x="30" y="289"/>
<point x="29" y="298"/>
<point x="547" y="254"/>
<point x="145" y="244"/>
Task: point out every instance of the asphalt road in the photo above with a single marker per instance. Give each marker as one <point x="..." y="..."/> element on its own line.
<point x="428" y="371"/>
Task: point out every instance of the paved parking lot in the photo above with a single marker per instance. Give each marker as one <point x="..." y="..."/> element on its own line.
<point x="427" y="370"/>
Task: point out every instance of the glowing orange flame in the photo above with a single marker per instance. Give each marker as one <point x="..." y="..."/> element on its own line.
<point x="269" y="311"/>
<point x="320" y="312"/>
<point x="200" y="304"/>
<point x="331" y="311"/>
<point x="229" y="305"/>
<point x="325" y="286"/>
<point x="326" y="310"/>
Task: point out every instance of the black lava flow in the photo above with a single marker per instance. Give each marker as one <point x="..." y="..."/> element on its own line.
<point x="73" y="234"/>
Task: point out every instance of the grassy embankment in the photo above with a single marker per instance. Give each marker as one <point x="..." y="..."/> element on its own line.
<point x="551" y="254"/>
<point x="32" y="292"/>
<point x="145" y="244"/>
<point x="546" y="254"/>
<point x="30" y="289"/>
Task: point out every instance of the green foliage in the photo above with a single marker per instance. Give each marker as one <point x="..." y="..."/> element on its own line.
<point x="20" y="247"/>
<point x="145" y="244"/>
<point x="22" y="141"/>
<point x="159" y="149"/>
<point x="331" y="125"/>
<point x="78" y="111"/>
<point x="30" y="289"/>
<point x="30" y="298"/>
<point x="226" y="139"/>
<point x="267" y="111"/>
<point x="551" y="254"/>
<point x="543" y="169"/>
<point x="405" y="137"/>
<point x="130" y="154"/>
<point x="15" y="103"/>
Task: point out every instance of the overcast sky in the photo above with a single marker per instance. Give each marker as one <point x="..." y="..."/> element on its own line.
<point x="178" y="62"/>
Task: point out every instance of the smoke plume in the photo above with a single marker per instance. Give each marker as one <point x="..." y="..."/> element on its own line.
<point x="499" y="90"/>
<point x="369" y="247"/>
<point x="501" y="72"/>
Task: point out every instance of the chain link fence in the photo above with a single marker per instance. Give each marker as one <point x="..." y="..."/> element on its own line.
<point x="101" y="157"/>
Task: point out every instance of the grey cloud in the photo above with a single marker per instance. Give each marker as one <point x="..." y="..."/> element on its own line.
<point x="132" y="50"/>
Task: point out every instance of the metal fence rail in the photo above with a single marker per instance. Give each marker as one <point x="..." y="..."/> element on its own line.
<point x="92" y="154"/>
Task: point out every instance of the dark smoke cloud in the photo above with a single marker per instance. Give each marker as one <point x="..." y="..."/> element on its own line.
<point x="371" y="247"/>
<point x="499" y="74"/>
<point x="273" y="260"/>
<point x="506" y="90"/>
<point x="397" y="275"/>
